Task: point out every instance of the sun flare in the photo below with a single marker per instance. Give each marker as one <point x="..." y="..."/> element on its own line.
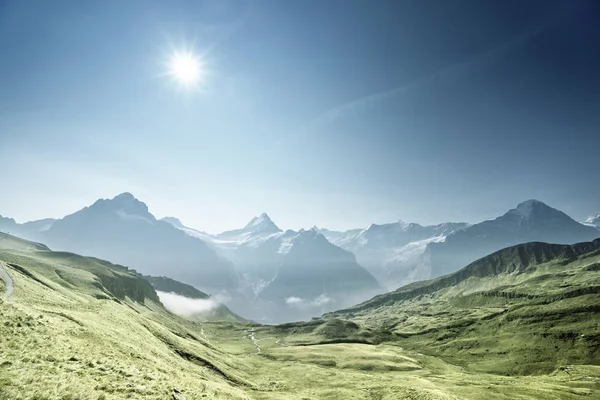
<point x="186" y="68"/>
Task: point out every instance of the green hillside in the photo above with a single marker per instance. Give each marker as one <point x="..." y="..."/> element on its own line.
<point x="82" y="328"/>
<point x="527" y="309"/>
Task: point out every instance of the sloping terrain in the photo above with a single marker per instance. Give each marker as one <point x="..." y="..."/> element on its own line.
<point x="65" y="334"/>
<point x="288" y="276"/>
<point x="530" y="221"/>
<point x="527" y="309"/>
<point x="82" y="328"/>
<point x="122" y="230"/>
<point x="315" y="275"/>
<point x="394" y="253"/>
<point x="400" y="253"/>
<point x="176" y="291"/>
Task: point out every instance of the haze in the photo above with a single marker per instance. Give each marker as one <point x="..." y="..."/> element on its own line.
<point x="336" y="114"/>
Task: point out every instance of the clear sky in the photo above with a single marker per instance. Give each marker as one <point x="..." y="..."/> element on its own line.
<point x="337" y="113"/>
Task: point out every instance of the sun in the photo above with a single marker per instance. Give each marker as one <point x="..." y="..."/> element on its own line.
<point x="186" y="68"/>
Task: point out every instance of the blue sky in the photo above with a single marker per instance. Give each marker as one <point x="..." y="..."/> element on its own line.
<point x="329" y="113"/>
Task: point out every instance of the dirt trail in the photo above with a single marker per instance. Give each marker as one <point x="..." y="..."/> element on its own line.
<point x="250" y="334"/>
<point x="7" y="281"/>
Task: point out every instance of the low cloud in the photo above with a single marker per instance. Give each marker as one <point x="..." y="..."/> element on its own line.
<point x="185" y="306"/>
<point x="322" y="300"/>
<point x="300" y="303"/>
<point x="293" y="300"/>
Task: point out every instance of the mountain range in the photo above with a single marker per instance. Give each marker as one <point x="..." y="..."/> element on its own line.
<point x="530" y="221"/>
<point x="527" y="307"/>
<point x="289" y="273"/>
<point x="260" y="271"/>
<point x="394" y="253"/>
<point x="519" y="323"/>
<point x="124" y="231"/>
<point x="265" y="273"/>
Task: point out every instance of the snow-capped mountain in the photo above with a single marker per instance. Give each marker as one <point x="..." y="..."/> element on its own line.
<point x="190" y="231"/>
<point x="394" y="253"/>
<point x="530" y="221"/>
<point x="258" y="226"/>
<point x="275" y="275"/>
<point x="290" y="275"/>
<point x="593" y="221"/>
<point x="122" y="230"/>
<point x="314" y="275"/>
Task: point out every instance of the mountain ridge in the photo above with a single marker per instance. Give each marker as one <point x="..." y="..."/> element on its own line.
<point x="395" y="252"/>
<point x="276" y="266"/>
<point x="531" y="220"/>
<point x="509" y="260"/>
<point x="123" y="230"/>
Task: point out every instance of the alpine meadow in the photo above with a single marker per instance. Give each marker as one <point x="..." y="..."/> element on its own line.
<point x="272" y="200"/>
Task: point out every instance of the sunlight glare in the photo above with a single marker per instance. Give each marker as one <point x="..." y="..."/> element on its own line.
<point x="186" y="68"/>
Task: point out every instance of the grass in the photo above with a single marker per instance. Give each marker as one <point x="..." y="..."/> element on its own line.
<point x="520" y="322"/>
<point x="80" y="328"/>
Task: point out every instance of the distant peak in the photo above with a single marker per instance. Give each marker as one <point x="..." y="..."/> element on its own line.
<point x="309" y="233"/>
<point x="261" y="219"/>
<point x="393" y="226"/>
<point x="7" y="219"/>
<point x="124" y="196"/>
<point x="125" y="200"/>
<point x="262" y="223"/>
<point x="125" y="203"/>
<point x="527" y="208"/>
<point x="531" y="203"/>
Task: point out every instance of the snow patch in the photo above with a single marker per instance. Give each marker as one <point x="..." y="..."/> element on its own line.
<point x="286" y="245"/>
<point x="593" y="221"/>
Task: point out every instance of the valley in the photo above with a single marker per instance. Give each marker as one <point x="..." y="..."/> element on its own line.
<point x="299" y="200"/>
<point x="270" y="275"/>
<point x="523" y="323"/>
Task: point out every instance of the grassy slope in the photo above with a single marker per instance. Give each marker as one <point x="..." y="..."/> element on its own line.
<point x="530" y="309"/>
<point x="62" y="334"/>
<point x="73" y="339"/>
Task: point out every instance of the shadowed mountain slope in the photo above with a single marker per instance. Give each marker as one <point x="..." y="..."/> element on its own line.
<point x="64" y="331"/>
<point x="530" y="221"/>
<point x="526" y="309"/>
<point x="170" y="286"/>
<point x="122" y="230"/>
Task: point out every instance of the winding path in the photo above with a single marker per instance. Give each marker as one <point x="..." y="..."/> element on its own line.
<point x="7" y="281"/>
<point x="250" y="335"/>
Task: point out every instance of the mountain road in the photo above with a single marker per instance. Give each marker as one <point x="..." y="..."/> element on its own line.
<point x="7" y="281"/>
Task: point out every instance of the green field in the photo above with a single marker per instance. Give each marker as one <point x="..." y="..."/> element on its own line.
<point x="82" y="328"/>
